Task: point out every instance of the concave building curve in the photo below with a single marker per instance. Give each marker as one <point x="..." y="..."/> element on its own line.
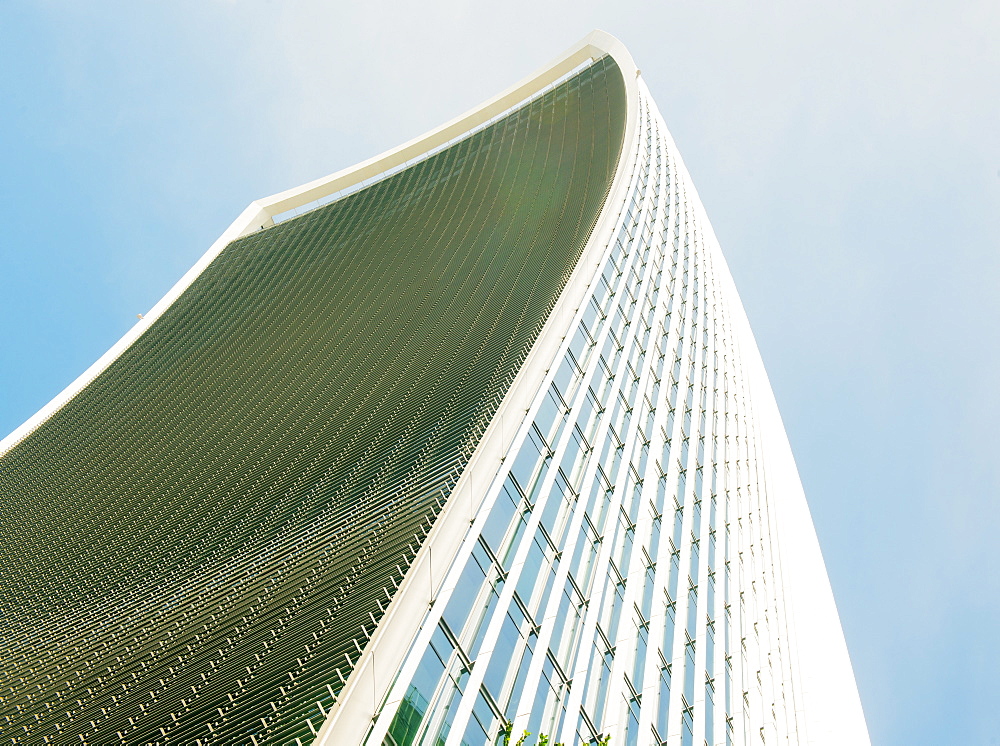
<point x="473" y="434"/>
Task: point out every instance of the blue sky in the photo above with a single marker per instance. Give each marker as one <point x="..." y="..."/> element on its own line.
<point x="847" y="153"/>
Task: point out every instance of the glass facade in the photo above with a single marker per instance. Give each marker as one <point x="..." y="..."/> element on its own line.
<point x="199" y="545"/>
<point x="619" y="579"/>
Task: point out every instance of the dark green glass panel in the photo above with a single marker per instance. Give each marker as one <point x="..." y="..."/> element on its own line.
<point x="406" y="721"/>
<point x="199" y="544"/>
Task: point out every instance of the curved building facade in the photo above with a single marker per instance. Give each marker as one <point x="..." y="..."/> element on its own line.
<point x="477" y="442"/>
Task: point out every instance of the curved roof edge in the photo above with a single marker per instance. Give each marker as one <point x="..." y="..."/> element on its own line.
<point x="259" y="214"/>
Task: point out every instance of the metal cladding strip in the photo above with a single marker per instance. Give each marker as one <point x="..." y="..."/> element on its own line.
<point x="376" y="670"/>
<point x="199" y="544"/>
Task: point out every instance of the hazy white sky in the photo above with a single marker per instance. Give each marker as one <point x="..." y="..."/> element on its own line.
<point x="848" y="155"/>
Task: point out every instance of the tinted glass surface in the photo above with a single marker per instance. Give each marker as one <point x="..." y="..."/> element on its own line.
<point x="198" y="546"/>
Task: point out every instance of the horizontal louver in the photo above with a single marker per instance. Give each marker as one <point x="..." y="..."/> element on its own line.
<point x="199" y="544"/>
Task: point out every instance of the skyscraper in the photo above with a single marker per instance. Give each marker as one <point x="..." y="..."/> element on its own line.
<point x="472" y="435"/>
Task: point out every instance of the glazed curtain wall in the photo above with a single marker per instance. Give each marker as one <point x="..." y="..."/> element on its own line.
<point x="197" y="547"/>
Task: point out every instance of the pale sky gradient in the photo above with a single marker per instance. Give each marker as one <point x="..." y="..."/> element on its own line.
<point x="848" y="154"/>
